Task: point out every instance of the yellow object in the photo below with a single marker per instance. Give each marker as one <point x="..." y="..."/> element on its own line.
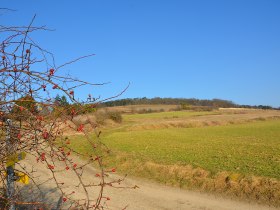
<point x="12" y="159"/>
<point x="23" y="178"/>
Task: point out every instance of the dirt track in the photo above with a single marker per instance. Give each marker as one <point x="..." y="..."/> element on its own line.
<point x="149" y="196"/>
<point x="152" y="196"/>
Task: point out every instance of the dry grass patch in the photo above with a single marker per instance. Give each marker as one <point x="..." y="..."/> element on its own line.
<point x="259" y="189"/>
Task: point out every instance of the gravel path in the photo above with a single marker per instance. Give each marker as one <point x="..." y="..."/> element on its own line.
<point x="149" y="196"/>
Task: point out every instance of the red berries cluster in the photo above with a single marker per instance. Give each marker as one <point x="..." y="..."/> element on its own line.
<point x="43" y="156"/>
<point x="81" y="128"/>
<point x="74" y="166"/>
<point x="51" y="167"/>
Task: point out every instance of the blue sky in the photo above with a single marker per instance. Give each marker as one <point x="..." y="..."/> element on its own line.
<point x="227" y="49"/>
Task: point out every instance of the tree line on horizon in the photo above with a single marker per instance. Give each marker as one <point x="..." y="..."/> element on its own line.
<point x="219" y="103"/>
<point x="185" y="103"/>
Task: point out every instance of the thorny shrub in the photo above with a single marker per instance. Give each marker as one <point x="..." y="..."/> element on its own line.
<point x="36" y="124"/>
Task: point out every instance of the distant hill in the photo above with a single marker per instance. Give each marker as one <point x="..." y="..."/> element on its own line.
<point x="219" y="103"/>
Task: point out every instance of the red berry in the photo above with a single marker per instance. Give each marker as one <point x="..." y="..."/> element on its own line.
<point x="40" y="118"/>
<point x="55" y="86"/>
<point x="27" y="51"/>
<point x="75" y="165"/>
<point x="67" y="168"/>
<point x="113" y="170"/>
<point x="71" y="92"/>
<point x="51" y="72"/>
<point x="73" y="112"/>
<point x="45" y="135"/>
<point x="64" y="199"/>
<point x="50" y="166"/>
<point x="43" y="156"/>
<point x="80" y="128"/>
<point x="44" y="87"/>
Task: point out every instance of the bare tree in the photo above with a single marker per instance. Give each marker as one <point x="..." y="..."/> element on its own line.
<point x="33" y="125"/>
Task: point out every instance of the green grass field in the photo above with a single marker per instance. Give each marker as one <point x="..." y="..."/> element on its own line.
<point x="248" y="148"/>
<point x="176" y="156"/>
<point x="252" y="148"/>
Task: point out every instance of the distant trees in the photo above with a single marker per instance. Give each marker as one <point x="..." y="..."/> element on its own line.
<point x="27" y="102"/>
<point x="172" y="101"/>
<point x="68" y="108"/>
<point x="256" y="107"/>
<point x="184" y="102"/>
<point x="23" y="107"/>
<point x="61" y="100"/>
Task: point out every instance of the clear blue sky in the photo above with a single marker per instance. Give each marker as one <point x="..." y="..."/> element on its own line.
<point x="227" y="49"/>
